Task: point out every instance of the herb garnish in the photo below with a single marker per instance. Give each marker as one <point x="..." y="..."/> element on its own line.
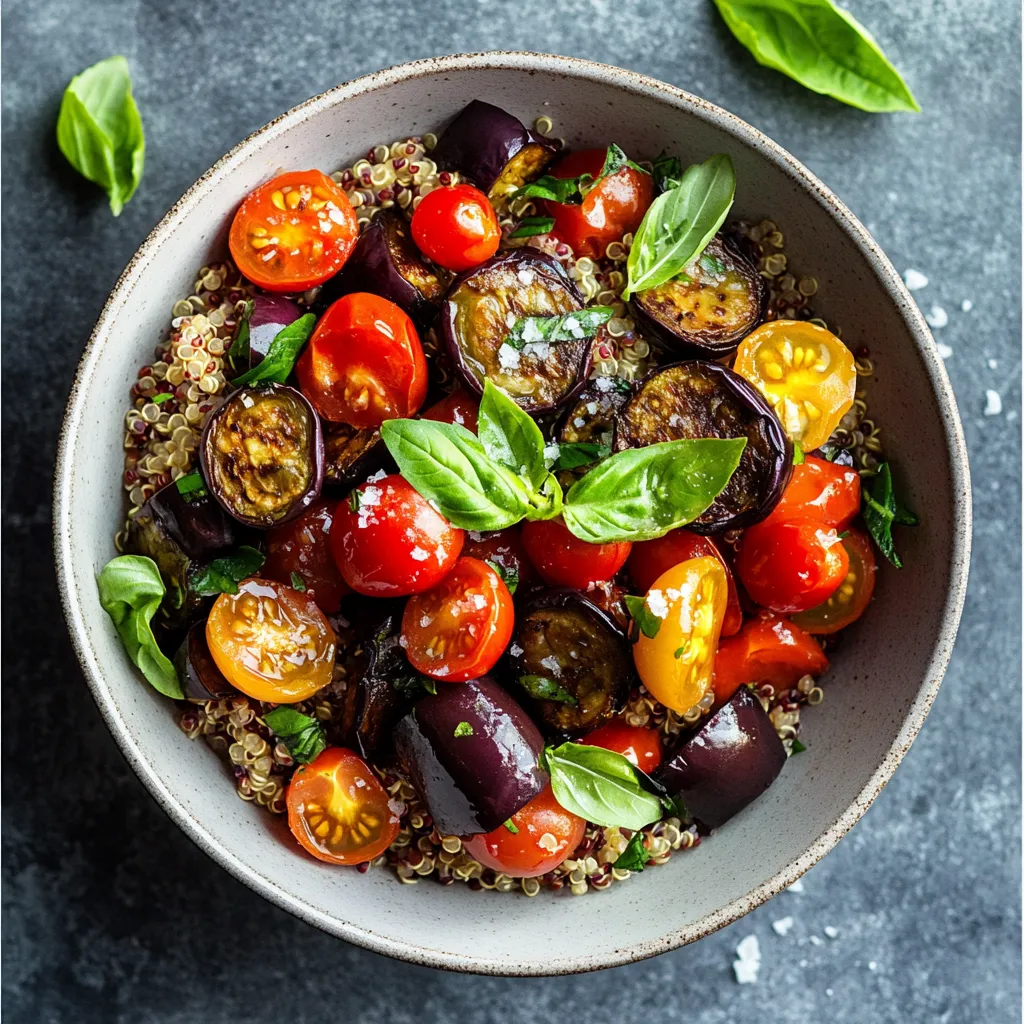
<point x="573" y="454"/>
<point x="303" y="736"/>
<point x="508" y="575"/>
<point x="668" y="172"/>
<point x="531" y="226"/>
<point x="355" y="500"/>
<point x="635" y="856"/>
<point x="164" y="396"/>
<point x="222" y="575"/>
<point x="511" y="826"/>
<point x="542" y="688"/>
<point x="644" y="619"/>
<point x="238" y="354"/>
<point x="298" y="583"/>
<point x="798" y="453"/>
<point x="882" y="510"/>
<point x="463" y="729"/>
<point x="574" y="326"/>
<point x="572" y="191"/>
<point x="797" y="747"/>
<point x="191" y="486"/>
<point x="411" y="684"/>
<point x="280" y="358"/>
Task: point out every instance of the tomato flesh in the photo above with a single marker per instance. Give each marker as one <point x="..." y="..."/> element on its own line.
<point x="338" y="809"/>
<point x="820" y="490"/>
<point x="504" y="548"/>
<point x="852" y="597"/>
<point x="293" y="232"/>
<point x="459" y="407"/>
<point x="456" y="227"/>
<point x="564" y="560"/>
<point x="638" y="745"/>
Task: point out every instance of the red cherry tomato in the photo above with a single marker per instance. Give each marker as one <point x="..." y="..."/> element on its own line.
<point x="388" y="541"/>
<point x="849" y="602"/>
<point x="615" y="206"/>
<point x="504" y="547"/>
<point x="640" y="746"/>
<point x="458" y="407"/>
<point x="543" y="834"/>
<point x="566" y="561"/>
<point x="820" y="490"/>
<point x="456" y="227"/>
<point x="302" y="548"/>
<point x="650" y="558"/>
<point x="459" y="628"/>
<point x="294" y="232"/>
<point x="364" y="363"/>
<point x="768" y="649"/>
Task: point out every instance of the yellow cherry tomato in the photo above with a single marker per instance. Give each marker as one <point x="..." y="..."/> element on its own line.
<point x="676" y="664"/>
<point x="805" y="372"/>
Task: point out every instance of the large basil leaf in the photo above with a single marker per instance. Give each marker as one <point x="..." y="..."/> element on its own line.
<point x="510" y="436"/>
<point x="277" y="365"/>
<point x="822" y="47"/>
<point x="882" y="510"/>
<point x="642" y="493"/>
<point x="303" y="736"/>
<point x="100" y="132"/>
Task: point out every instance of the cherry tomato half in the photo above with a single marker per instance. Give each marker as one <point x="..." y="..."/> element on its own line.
<point x="271" y="642"/>
<point x="615" y="206"/>
<point x="544" y="835"/>
<point x="820" y="490"/>
<point x="364" y="363"/>
<point x="564" y="560"/>
<point x="650" y="558"/>
<point x="388" y="541"/>
<point x="504" y="548"/>
<point x="849" y="602"/>
<point x="791" y="565"/>
<point x="294" y="232"/>
<point x="640" y="746"/>
<point x="458" y="407"/>
<point x="339" y="811"/>
<point x="459" y="628"/>
<point x="456" y="227"/>
<point x="768" y="649"/>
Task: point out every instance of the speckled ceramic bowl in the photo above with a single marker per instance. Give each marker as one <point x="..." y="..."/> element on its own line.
<point x="882" y="681"/>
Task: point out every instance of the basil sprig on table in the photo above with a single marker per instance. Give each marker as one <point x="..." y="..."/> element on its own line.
<point x="882" y="510"/>
<point x="222" y="575"/>
<point x="679" y="224"/>
<point x="822" y="47"/>
<point x="131" y="590"/>
<point x="575" y="326"/>
<point x="572" y="191"/>
<point x="277" y="364"/>
<point x="303" y="736"/>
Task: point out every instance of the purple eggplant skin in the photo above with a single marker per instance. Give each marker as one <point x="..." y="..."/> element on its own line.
<point x="474" y="781"/>
<point x="495" y="150"/>
<point x="198" y="672"/>
<point x="734" y="757"/>
<point x="351" y="455"/>
<point x="284" y="428"/>
<point x="696" y="399"/>
<point x="474" y="324"/>
<point x="270" y="314"/>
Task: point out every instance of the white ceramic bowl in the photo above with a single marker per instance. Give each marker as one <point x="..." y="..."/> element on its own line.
<point x="882" y="681"/>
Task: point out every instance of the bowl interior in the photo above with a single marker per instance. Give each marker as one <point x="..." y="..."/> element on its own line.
<point x="882" y="680"/>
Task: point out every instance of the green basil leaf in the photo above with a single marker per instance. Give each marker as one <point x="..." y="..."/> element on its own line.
<point x="222" y="575"/>
<point x="131" y="590"/>
<point x="614" y="161"/>
<point x="298" y="583"/>
<point x="511" y="436"/>
<point x="543" y="688"/>
<point x="100" y="132"/>
<point x="191" y="486"/>
<point x="822" y="47"/>
<point x="574" y="454"/>
<point x="798" y="453"/>
<point x="583" y="323"/>
<point x="797" y="747"/>
<point x="280" y="358"/>
<point x="635" y="856"/>
<point x="642" y="493"/>
<point x="164" y="396"/>
<point x="668" y="172"/>
<point x="600" y="786"/>
<point x="446" y="464"/>
<point x="881" y="510"/>
<point x="679" y="224"/>
<point x="643" y="616"/>
<point x="509" y="575"/>
<point x="238" y="354"/>
<point x="511" y="826"/>
<point x="569" y="191"/>
<point x="303" y="736"/>
<point x="463" y="729"/>
<point x="531" y="226"/>
<point x="546" y="502"/>
<point x="413" y="685"/>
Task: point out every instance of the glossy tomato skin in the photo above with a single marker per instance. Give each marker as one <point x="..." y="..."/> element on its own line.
<point x="458" y="407"/>
<point x="563" y="560"/>
<point x="638" y="745"/>
<point x="616" y="206"/>
<point x="650" y="558"/>
<point x="338" y="810"/>
<point x="546" y="834"/>
<point x="456" y="227"/>
<point x="852" y="597"/>
<point x="505" y="548"/>
<point x="392" y="543"/>
<point x="822" y="490"/>
<point x="293" y="232"/>
<point x="791" y="565"/>
<point x="458" y="629"/>
<point x="364" y="363"/>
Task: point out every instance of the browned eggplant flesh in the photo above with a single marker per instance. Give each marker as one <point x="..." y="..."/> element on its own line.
<point x="351" y="455"/>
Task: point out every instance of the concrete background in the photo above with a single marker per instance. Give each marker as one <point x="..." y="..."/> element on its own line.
<point x="111" y="915"/>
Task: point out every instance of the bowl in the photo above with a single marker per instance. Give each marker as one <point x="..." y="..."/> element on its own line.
<point x="883" y="680"/>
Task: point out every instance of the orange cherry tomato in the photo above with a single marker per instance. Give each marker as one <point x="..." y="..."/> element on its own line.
<point x="504" y="548"/>
<point x="339" y="811"/>
<point x="768" y="649"/>
<point x="459" y="628"/>
<point x="650" y="558"/>
<point x="563" y="560"/>
<point x="675" y="665"/>
<point x="822" y="490"/>
<point x="456" y="227"/>
<point x="458" y="407"/>
<point x="543" y="834"/>
<point x="293" y="232"/>
<point x="849" y="602"/>
<point x="614" y="207"/>
<point x="640" y="746"/>
<point x="271" y="642"/>
<point x="806" y="373"/>
<point x="364" y="363"/>
<point x="791" y="565"/>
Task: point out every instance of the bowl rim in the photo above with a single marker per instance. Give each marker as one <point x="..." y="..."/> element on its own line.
<point x="637" y="84"/>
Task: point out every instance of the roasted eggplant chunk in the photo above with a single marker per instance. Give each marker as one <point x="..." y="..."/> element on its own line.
<point x="495" y="150"/>
<point x="708" y="312"/>
<point x="484" y="304"/>
<point x="698" y="399"/>
<point x="563" y="638"/>
<point x="263" y="455"/>
<point x="472" y="753"/>
<point x="269" y="315"/>
<point x="198" y="672"/>
<point x="351" y="455"/>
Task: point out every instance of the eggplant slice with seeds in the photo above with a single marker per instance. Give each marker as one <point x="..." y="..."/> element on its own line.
<point x="351" y="455"/>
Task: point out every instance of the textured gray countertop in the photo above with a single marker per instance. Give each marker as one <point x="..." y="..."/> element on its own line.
<point x="112" y="915"/>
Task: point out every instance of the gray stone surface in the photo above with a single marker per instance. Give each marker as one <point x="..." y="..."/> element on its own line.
<point x="110" y="914"/>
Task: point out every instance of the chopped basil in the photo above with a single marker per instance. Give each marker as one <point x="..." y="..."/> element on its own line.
<point x="667" y="172"/>
<point x="797" y="747"/>
<point x="238" y="354"/>
<point x="298" y="583"/>
<point x="531" y="226"/>
<point x="614" y="160"/>
<point x="222" y="575"/>
<point x="635" y="856"/>
<point x="542" y="688"/>
<point x="191" y="486"/>
<point x="511" y="826"/>
<point x="463" y="729"/>
<point x="709" y="263"/>
<point x="798" y="453"/>
<point x="509" y="576"/>
<point x="573" y="326"/>
<point x="572" y="191"/>
<point x="164" y="396"/>
<point x="573" y="454"/>
<point x="646" y="621"/>
<point x="355" y="501"/>
<point x="280" y="358"/>
<point x="413" y="685"/>
<point x="303" y="736"/>
<point x="675" y="806"/>
<point x="882" y="510"/>
<point x="680" y="651"/>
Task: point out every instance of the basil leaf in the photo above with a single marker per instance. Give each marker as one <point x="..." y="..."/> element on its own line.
<point x="531" y="226"/>
<point x="543" y="688"/>
<point x="573" y="454"/>
<point x="238" y="354"/>
<point x="798" y="453"/>
<point x="614" y="161"/>
<point x="635" y="856"/>
<point x="298" y="583"/>
<point x="280" y="358"/>
<point x="509" y="575"/>
<point x="797" y="747"/>
<point x="100" y="132"/>
<point x="191" y="486"/>
<point x="600" y="786"/>
<point x="510" y="436"/>
<point x="546" y="501"/>
<point x="668" y="172"/>
<point x="511" y="826"/>
<point x="463" y="729"/>
<point x="449" y="467"/>
<point x="642" y="493"/>
<point x="131" y="590"/>
<point x="679" y="224"/>
<point x="881" y="510"/>
<point x="643" y="616"/>
<point x="164" y="396"/>
<point x="558" y="190"/>
<point x="413" y="685"/>
<point x="573" y="326"/>
<point x="822" y="47"/>
<point x="222" y="575"/>
<point x="303" y="736"/>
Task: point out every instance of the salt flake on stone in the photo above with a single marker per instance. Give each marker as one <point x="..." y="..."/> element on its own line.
<point x="914" y="280"/>
<point x="993" y="403"/>
<point x="783" y="926"/>
<point x="748" y="961"/>
<point x="937" y="317"/>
